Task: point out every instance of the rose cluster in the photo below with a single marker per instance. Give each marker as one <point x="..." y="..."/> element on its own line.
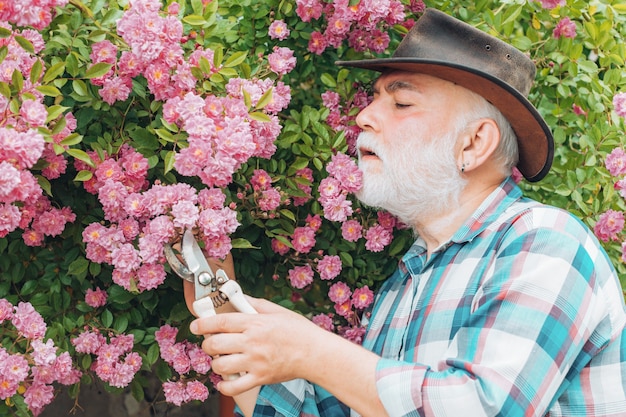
<point x="115" y="362"/>
<point x="143" y="221"/>
<point x="31" y="366"/>
<point x="222" y="132"/>
<point x="189" y="361"/>
<point x="155" y="51"/>
<point x="363" y="24"/>
<point x="28" y="139"/>
<point x="37" y="14"/>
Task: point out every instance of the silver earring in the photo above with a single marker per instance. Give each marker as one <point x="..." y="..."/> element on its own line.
<point x="462" y="168"/>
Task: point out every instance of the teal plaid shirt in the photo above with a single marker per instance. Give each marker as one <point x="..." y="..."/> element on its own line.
<point x="520" y="313"/>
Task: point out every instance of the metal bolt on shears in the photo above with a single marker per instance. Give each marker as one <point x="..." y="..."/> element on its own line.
<point x="212" y="289"/>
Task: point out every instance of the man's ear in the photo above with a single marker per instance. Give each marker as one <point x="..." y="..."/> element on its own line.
<point x="478" y="143"/>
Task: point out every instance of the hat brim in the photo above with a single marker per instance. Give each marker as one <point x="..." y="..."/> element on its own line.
<point x="535" y="141"/>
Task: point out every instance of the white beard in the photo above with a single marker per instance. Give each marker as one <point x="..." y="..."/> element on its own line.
<point x="413" y="181"/>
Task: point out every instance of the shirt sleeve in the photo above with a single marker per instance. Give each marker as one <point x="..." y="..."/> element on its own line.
<point x="544" y="309"/>
<point x="297" y="398"/>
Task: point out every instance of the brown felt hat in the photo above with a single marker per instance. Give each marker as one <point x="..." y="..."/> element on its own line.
<point x="447" y="48"/>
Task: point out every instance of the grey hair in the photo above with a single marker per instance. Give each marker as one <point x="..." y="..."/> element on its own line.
<point x="507" y="152"/>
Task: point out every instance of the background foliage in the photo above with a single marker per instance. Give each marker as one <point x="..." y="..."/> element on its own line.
<point x="578" y="77"/>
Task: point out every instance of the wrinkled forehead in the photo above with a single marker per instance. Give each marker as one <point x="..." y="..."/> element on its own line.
<point x="394" y="80"/>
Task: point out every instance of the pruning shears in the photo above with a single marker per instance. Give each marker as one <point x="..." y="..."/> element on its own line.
<point x="212" y="289"/>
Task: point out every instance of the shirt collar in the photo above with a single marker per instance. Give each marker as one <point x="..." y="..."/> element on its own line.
<point x="494" y="205"/>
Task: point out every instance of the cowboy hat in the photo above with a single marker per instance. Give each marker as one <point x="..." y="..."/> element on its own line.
<point x="447" y="48"/>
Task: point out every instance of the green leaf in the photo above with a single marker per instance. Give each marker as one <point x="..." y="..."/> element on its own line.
<point x="72" y="64"/>
<point x="78" y="267"/>
<point x="86" y="362"/>
<point x="5" y="90"/>
<point x="82" y="156"/>
<point x="288" y="214"/>
<point x="44" y="184"/>
<point x="218" y="56"/>
<point x="137" y="390"/>
<point x="29" y="287"/>
<point x="48" y="90"/>
<point x="346" y="259"/>
<point x="260" y="116"/>
<point x="25" y="43"/>
<point x="235" y="59"/>
<point x="53" y="72"/>
<point x="142" y="138"/>
<point x="165" y="135"/>
<point x="298" y="164"/>
<point x="121" y="323"/>
<point x="152" y="354"/>
<point x="119" y="295"/>
<point x="112" y="16"/>
<point x="522" y="43"/>
<point x="511" y="14"/>
<point x="107" y="318"/>
<point x="170" y="159"/>
<point x="80" y="88"/>
<point x="83" y="176"/>
<point x="54" y="112"/>
<point x="205" y="65"/>
<point x="265" y="99"/>
<point x="194" y="20"/>
<point x="228" y="72"/>
<point x="98" y="70"/>
<point x="138" y="335"/>
<point x="240" y="243"/>
<point x="328" y="80"/>
<point x="72" y="139"/>
<point x="162" y="370"/>
<point x="17" y="80"/>
<point x="35" y="71"/>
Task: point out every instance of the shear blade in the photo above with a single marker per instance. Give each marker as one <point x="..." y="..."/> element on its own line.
<point x="196" y="262"/>
<point x="177" y="266"/>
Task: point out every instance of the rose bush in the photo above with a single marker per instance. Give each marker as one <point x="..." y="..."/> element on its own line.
<point x="125" y="122"/>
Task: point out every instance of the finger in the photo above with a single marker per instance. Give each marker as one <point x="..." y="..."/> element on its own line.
<point x="237" y="385"/>
<point x="229" y="364"/>
<point x="223" y="344"/>
<point x="220" y="323"/>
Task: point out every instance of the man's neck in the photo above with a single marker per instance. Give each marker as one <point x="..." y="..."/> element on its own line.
<point x="437" y="229"/>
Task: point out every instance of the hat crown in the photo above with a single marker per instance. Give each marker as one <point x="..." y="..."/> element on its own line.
<point x="438" y="37"/>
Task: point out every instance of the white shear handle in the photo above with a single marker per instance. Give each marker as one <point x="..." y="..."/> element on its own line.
<point x="235" y="296"/>
<point x="204" y="307"/>
<point x="233" y="291"/>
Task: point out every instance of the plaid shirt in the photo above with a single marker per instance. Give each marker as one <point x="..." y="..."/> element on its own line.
<point x="520" y="313"/>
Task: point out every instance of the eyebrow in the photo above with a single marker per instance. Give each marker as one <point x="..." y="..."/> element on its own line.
<point x="394" y="86"/>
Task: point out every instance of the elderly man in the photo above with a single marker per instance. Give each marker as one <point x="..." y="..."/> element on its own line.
<point x="503" y="306"/>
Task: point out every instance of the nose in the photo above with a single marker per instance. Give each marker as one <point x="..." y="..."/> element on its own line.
<point x="366" y="118"/>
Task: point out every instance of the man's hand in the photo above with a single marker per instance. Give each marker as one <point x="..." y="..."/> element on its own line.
<point x="278" y="345"/>
<point x="266" y="347"/>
